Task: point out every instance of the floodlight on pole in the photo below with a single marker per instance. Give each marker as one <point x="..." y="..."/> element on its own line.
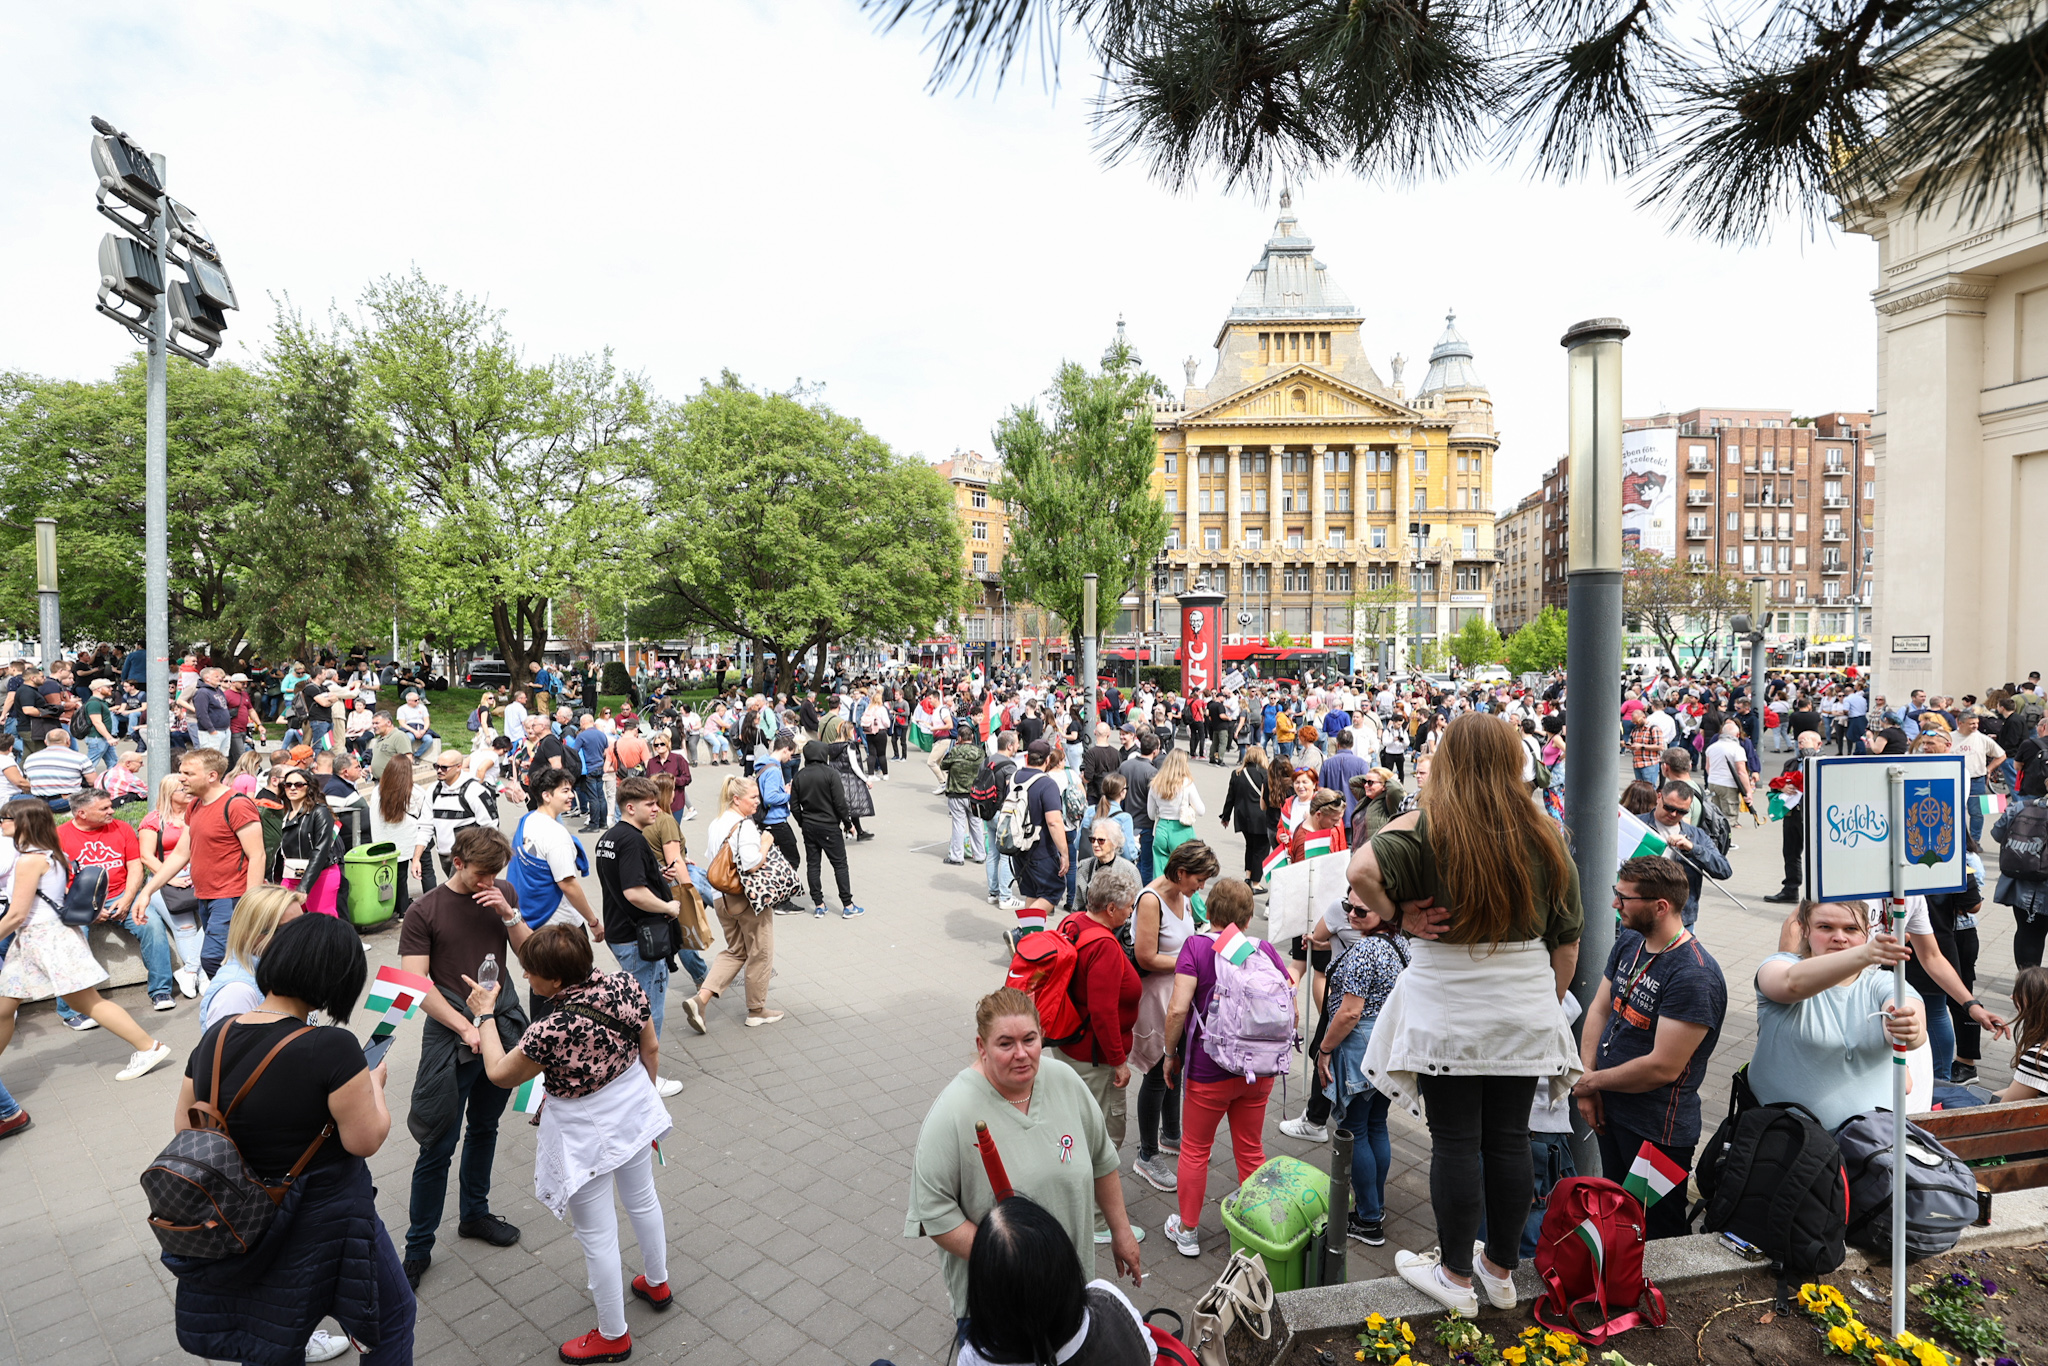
<point x="131" y="280"/>
<point x="128" y="178"/>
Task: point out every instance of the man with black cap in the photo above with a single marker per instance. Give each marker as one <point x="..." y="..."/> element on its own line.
<point x="818" y="802"/>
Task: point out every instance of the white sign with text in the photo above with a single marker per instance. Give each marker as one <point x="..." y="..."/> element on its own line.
<point x="1849" y="826"/>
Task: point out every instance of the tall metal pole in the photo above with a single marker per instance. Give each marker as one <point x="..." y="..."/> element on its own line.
<point x="1895" y="792"/>
<point x="157" y="513"/>
<point x="1593" y="649"/>
<point x="1089" y="590"/>
<point x="50" y="621"/>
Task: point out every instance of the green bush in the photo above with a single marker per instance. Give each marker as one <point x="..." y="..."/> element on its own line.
<point x="614" y="679"/>
<point x="1164" y="676"/>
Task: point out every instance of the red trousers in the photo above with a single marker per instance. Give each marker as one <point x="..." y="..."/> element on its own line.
<point x="1204" y="1105"/>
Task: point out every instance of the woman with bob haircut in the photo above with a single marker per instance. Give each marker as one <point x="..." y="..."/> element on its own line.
<point x="327" y="1251"/>
<point x="1028" y="1306"/>
<point x="598" y="1123"/>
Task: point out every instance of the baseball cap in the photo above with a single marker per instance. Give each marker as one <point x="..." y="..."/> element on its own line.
<point x="301" y="754"/>
<point x="1039" y="749"/>
<point x="238" y="678"/>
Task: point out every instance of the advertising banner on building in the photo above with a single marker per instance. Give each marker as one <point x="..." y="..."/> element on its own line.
<point x="1649" y="490"/>
<point x="1201" y="641"/>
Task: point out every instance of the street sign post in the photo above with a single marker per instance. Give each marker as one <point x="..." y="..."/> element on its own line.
<point x="1884" y="827"/>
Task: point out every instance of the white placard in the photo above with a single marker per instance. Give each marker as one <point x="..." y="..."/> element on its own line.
<point x="1849" y="828"/>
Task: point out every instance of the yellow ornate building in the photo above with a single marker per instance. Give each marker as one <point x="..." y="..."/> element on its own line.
<point x="1299" y="481"/>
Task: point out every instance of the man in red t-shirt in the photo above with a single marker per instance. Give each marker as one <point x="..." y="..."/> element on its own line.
<point x="224" y="845"/>
<point x="92" y="838"/>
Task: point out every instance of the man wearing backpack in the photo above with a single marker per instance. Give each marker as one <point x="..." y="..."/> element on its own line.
<point x="1649" y="1033"/>
<point x="993" y="784"/>
<point x="1687" y="845"/>
<point x="1105" y="989"/>
<point x="962" y="764"/>
<point x="1042" y="866"/>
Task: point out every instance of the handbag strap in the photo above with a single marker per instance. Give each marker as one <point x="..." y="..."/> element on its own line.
<point x="276" y="1048"/>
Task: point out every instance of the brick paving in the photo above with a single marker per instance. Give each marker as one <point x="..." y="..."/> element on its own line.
<point x="787" y="1171"/>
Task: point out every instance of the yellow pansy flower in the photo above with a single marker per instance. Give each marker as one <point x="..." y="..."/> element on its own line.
<point x="1842" y="1340"/>
<point x="1407" y="1335"/>
<point x="1908" y="1341"/>
<point x="1358" y="1355"/>
<point x="1375" y="1321"/>
<point x="1516" y="1355"/>
<point x="1930" y="1355"/>
<point x="1403" y="1361"/>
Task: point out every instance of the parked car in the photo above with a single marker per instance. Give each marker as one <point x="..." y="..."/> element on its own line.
<point x="487" y="673"/>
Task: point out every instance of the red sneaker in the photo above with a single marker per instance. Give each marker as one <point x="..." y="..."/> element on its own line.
<point x="595" y="1346"/>
<point x="10" y="1127"/>
<point x="656" y="1295"/>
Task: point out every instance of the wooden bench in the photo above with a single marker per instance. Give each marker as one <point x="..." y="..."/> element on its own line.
<point x="2016" y="1131"/>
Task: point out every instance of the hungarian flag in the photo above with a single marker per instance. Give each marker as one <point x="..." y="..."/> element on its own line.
<point x="526" y="1099"/>
<point x="394" y="996"/>
<point x="1275" y="861"/>
<point x="1234" y="946"/>
<point x="1653" y="1176"/>
<point x="1589" y="1234"/>
<point x="1989" y="804"/>
<point x="1321" y="842"/>
<point x="1635" y="839"/>
<point x="920" y="726"/>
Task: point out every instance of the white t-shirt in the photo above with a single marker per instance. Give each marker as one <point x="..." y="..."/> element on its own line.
<point x="545" y="838"/>
<point x="413" y="714"/>
<point x="515" y="720"/>
<point x="1722" y="756"/>
<point x="1664" y="725"/>
<point x="403" y="832"/>
<point x="51" y="887"/>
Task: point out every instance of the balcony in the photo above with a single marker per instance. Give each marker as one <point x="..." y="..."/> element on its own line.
<point x="1698" y="566"/>
<point x="1699" y="464"/>
<point x="1834" y="502"/>
<point x="1695" y="531"/>
<point x="1836" y="535"/>
<point x="1699" y="498"/>
<point x="1833" y="567"/>
<point x="1784" y="533"/>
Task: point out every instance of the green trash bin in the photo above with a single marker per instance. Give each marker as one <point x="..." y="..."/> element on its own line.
<point x="1278" y="1213"/>
<point x="369" y="884"/>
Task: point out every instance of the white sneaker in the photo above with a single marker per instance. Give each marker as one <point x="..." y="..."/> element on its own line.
<point x="667" y="1086"/>
<point x="1299" y="1127"/>
<point x="1102" y="1235"/>
<point x="1425" y="1271"/>
<point x="143" y="1061"/>
<point x="188" y="983"/>
<point x="1500" y="1290"/>
<point x="1010" y="904"/>
<point x="164" y="1003"/>
<point x="325" y="1346"/>
<point x="1186" y="1241"/>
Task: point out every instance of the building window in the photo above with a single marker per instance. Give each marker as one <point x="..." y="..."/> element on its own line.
<point x="1172" y="463"/>
<point x="1173" y="540"/>
<point x="1287" y="501"/>
<point x="979" y="498"/>
<point x="1798" y="590"/>
<point x="1471" y="538"/>
<point x="1337" y="578"/>
<point x="980" y="562"/>
<point x="1422" y="578"/>
<point x="1254" y="539"/>
<point x="1731" y="554"/>
<point x="1421" y="500"/>
<point x="1336" y="462"/>
<point x="1251" y="464"/>
<point x="1294" y="578"/>
<point x="1258" y="578"/>
<point x="1869" y="489"/>
<point x="1337" y="538"/>
<point x="1421" y="621"/>
<point x="1212" y="538"/>
<point x="1378" y="539"/>
<point x="1172" y="500"/>
<point x="1294" y="538"/>
<point x="1422" y="462"/>
<point x="980" y="531"/>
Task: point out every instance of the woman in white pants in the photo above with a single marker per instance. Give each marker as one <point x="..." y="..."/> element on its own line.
<point x="596" y="1053"/>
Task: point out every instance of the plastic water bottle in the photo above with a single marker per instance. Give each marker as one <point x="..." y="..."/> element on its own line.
<point x="487" y="975"/>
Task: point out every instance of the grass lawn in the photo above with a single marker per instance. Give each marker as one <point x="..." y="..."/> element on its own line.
<point x="450" y="710"/>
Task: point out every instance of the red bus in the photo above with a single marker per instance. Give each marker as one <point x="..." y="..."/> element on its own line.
<point x="1270" y="661"/>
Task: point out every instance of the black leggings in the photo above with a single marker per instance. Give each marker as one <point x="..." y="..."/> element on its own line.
<point x="1479" y="1159"/>
<point x="1969" y="1038"/>
<point x="1157" y="1104"/>
<point x="2030" y="932"/>
<point x="878" y="752"/>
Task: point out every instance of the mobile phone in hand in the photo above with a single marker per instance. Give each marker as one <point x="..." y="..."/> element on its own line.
<point x="375" y="1049"/>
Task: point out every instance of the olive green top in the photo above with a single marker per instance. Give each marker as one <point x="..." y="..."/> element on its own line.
<point x="1409" y="872"/>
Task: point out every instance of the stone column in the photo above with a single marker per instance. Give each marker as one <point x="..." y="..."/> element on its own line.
<point x="1274" y="526"/>
<point x="1318" y="524"/>
<point x="1191" y="539"/>
<point x="1233" y="485"/>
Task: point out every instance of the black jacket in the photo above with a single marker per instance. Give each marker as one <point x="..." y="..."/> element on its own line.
<point x="816" y="797"/>
<point x="1241" y="804"/>
<point x="1096" y="761"/>
<point x="311" y="835"/>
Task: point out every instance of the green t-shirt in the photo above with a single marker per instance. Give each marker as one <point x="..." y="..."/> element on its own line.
<point x="97" y="706"/>
<point x="1054" y="1155"/>
<point x="1409" y="873"/>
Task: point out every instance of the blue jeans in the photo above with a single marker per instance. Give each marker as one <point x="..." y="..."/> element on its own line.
<point x="651" y="974"/>
<point x="590" y="794"/>
<point x="154" y="938"/>
<point x="9" y="1106"/>
<point x="1144" y="846"/>
<point x="1941" y="1035"/>
<point x="1074" y="865"/>
<point x="1979" y="787"/>
<point x="214" y="915"/>
<point x="99" y="751"/>
<point x="998" y="868"/>
<point x="423" y="744"/>
<point x="1649" y="772"/>
<point x="483" y="1103"/>
<point x="1365" y="1116"/>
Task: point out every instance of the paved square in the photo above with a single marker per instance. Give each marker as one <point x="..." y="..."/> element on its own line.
<point x="787" y="1172"/>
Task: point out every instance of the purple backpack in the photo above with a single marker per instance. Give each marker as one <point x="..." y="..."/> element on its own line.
<point x="1248" y="1029"/>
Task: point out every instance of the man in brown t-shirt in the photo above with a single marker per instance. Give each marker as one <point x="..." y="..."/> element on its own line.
<point x="446" y="936"/>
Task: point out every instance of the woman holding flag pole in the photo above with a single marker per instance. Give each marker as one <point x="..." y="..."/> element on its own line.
<point x="601" y="1123"/>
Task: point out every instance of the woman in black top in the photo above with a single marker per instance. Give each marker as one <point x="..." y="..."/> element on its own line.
<point x="308" y="853"/>
<point x="327" y="1251"/>
<point x="1244" y="810"/>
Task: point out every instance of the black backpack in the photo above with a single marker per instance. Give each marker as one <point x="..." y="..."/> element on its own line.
<point x="2024" y="854"/>
<point x="204" y="1201"/>
<point x="85" y="898"/>
<point x="991" y="784"/>
<point x="1714" y="824"/>
<point x="1772" y="1175"/>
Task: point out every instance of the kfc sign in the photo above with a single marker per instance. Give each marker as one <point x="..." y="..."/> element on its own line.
<point x="1201" y="641"/>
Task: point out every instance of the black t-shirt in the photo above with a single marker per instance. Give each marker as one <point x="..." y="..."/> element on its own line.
<point x="1682" y="983"/>
<point x="2032" y="757"/>
<point x="1803" y="721"/>
<point x="1029" y="728"/>
<point x="288" y="1107"/>
<point x="550" y="747"/>
<point x="624" y="859"/>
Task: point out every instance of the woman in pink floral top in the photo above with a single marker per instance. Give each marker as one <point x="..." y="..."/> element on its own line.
<point x="596" y="1053"/>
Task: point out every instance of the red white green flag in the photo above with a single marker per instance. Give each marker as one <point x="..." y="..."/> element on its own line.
<point x="1234" y="946"/>
<point x="395" y="995"/>
<point x="1275" y="861"/>
<point x="1589" y="1234"/>
<point x="1321" y="842"/>
<point x="1653" y="1176"/>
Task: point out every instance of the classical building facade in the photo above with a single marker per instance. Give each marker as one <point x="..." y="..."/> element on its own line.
<point x="1960" y="440"/>
<point x="1518" y="585"/>
<point x="1299" y="480"/>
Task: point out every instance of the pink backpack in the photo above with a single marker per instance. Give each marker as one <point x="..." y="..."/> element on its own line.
<point x="1248" y="1029"/>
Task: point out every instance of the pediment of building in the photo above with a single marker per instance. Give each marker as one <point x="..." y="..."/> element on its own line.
<point x="1301" y="394"/>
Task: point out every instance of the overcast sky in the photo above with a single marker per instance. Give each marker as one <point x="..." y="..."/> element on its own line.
<point x="768" y="188"/>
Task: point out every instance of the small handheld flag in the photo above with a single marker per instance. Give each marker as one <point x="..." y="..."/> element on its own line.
<point x="1234" y="946"/>
<point x="395" y="996"/>
<point x="1990" y="804"/>
<point x="527" y="1098"/>
<point x="1635" y="839"/>
<point x="1275" y="861"/>
<point x="1653" y="1176"/>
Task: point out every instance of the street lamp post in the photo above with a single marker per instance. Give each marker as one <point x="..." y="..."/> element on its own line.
<point x="1593" y="647"/>
<point x="46" y="591"/>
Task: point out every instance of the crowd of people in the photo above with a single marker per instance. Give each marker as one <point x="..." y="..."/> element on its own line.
<point x="1444" y="801"/>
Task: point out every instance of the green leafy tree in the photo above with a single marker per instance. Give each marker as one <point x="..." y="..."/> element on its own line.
<point x="1788" y="105"/>
<point x="1376" y="616"/>
<point x="1427" y="656"/>
<point x="1476" y="642"/>
<point x="1686" y="610"/>
<point x="515" y="475"/>
<point x="779" y="521"/>
<point x="1080" y="474"/>
<point x="1539" y="646"/>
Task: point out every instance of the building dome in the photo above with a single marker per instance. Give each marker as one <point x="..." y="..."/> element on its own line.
<point x="1450" y="363"/>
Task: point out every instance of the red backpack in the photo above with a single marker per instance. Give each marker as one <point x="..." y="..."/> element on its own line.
<point x="1591" y="1252"/>
<point x="1043" y="969"/>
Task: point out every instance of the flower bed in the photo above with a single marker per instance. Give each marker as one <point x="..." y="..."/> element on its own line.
<point x="1989" y="1306"/>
